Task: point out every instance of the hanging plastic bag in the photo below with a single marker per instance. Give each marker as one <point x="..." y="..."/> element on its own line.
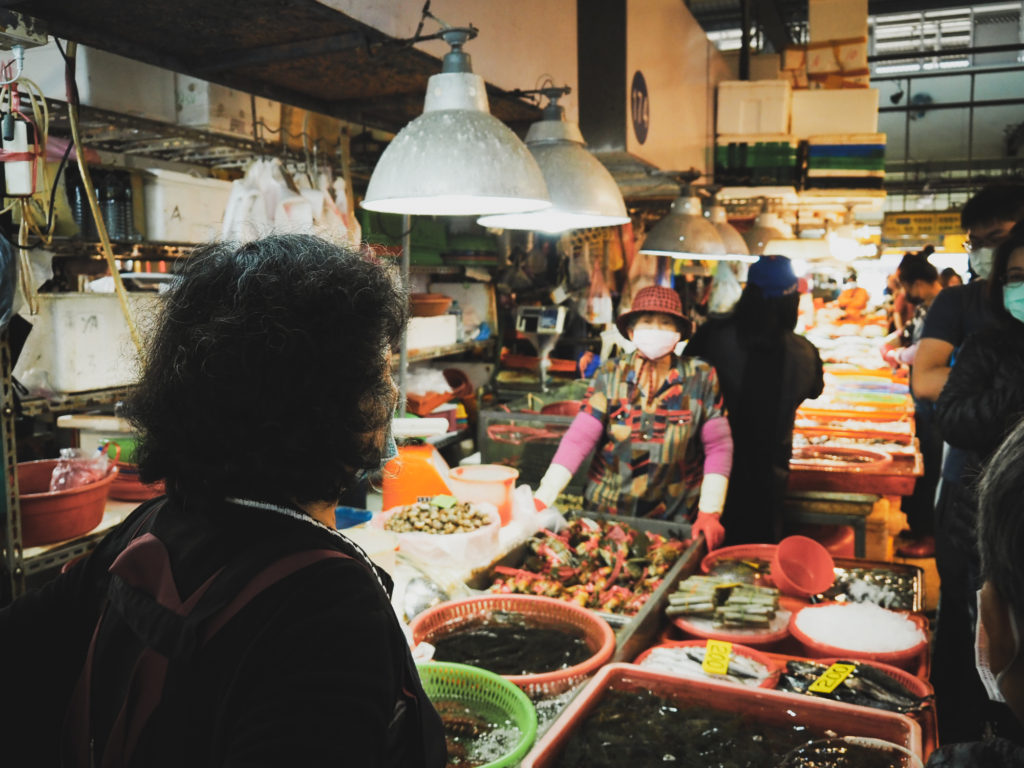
<point x="74" y="469"/>
<point x="579" y="265"/>
<point x="725" y="290"/>
<point x="254" y="200"/>
<point x="599" y="299"/>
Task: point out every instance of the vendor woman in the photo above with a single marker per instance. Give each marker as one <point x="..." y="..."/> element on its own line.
<point x="665" y="443"/>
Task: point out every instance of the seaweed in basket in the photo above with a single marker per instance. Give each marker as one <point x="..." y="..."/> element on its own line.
<point x="474" y="735"/>
<point x="606" y="566"/>
<point x="504" y="643"/>
<point x="689" y="735"/>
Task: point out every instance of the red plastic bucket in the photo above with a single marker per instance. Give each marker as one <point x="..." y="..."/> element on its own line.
<point x="49" y="517"/>
<point x="801" y="567"/>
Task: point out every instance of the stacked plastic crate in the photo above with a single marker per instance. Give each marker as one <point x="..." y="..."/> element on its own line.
<point x="753" y="146"/>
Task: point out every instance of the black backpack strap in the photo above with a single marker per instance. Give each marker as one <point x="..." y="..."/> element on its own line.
<point x="142" y="596"/>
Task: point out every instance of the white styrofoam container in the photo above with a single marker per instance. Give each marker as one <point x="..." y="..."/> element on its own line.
<point x="844" y="110"/>
<point x="80" y="341"/>
<point x="760" y="106"/>
<point x="428" y="332"/>
<point x="213" y="107"/>
<point x="105" y="81"/>
<point x="182" y="208"/>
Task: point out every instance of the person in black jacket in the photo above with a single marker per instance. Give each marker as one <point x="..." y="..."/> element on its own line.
<point x="229" y="623"/>
<point x="765" y="371"/>
<point x="1000" y="601"/>
<point x="981" y="401"/>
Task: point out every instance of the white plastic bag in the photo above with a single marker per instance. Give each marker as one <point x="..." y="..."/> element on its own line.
<point x="725" y="290"/>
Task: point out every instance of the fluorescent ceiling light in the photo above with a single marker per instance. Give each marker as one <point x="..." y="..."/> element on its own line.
<point x="583" y="192"/>
<point x="456" y="159"/>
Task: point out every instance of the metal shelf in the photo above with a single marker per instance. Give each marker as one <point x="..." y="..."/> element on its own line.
<point x="475" y="347"/>
<point x="79" y="401"/>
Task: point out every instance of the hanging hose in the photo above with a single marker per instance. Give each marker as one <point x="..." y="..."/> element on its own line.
<point x="94" y="206"/>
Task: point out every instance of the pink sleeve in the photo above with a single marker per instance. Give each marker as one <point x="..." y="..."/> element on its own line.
<point x="583" y="434"/>
<point x="717" y="439"/>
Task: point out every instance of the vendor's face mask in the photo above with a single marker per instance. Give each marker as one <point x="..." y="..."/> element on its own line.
<point x="655" y="343"/>
<point x="991" y="680"/>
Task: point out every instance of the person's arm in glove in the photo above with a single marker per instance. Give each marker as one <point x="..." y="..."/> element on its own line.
<point x="717" y="439"/>
<point x="583" y="435"/>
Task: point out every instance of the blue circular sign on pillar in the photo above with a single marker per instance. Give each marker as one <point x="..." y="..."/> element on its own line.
<point x="640" y="106"/>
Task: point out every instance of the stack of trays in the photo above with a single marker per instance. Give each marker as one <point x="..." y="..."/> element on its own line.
<point x="756" y="160"/>
<point x="849" y="161"/>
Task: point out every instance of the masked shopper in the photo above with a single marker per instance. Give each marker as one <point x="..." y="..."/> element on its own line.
<point x="1000" y="602"/>
<point x="766" y="372"/>
<point x="657" y="420"/>
<point x="229" y="623"/>
<point x="982" y="399"/>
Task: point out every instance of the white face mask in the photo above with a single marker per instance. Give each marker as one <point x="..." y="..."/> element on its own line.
<point x="655" y="343"/>
<point x="980" y="260"/>
<point x="981" y="655"/>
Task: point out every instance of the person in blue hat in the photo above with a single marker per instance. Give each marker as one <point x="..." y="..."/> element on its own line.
<point x="765" y="371"/>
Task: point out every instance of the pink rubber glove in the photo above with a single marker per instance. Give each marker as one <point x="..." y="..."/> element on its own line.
<point x="709" y="524"/>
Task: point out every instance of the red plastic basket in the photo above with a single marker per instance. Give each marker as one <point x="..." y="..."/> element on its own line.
<point x="546" y="611"/>
<point x="50" y="517"/>
<point x="758" y="639"/>
<point x="753" y="704"/>
<point x="908" y="659"/>
<point x="740" y="650"/>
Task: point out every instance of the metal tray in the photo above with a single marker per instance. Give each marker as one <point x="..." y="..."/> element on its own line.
<point x="633" y="634"/>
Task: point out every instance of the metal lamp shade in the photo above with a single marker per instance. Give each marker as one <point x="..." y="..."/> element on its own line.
<point x="583" y="192"/>
<point x="456" y="159"/>
<point x="767" y="226"/>
<point x="684" y="234"/>
<point x="735" y="246"/>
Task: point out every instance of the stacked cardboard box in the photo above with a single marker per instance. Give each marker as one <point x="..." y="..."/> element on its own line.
<point x="837" y="54"/>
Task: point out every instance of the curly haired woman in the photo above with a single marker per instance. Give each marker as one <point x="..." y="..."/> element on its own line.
<point x="228" y="623"/>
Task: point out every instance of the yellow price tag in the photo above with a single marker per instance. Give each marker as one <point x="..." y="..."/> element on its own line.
<point x="831" y="678"/>
<point x="716" y="657"/>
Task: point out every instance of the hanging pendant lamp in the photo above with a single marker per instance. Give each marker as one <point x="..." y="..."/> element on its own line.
<point x="456" y="159"/>
<point x="767" y="226"/>
<point x="583" y="192"/>
<point x="735" y="246"/>
<point x="685" y="233"/>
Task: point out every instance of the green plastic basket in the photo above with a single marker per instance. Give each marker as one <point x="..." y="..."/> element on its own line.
<point x="462" y="683"/>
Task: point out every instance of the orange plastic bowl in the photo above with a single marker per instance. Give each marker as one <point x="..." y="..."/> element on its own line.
<point x="49" y="517"/>
<point x="544" y="611"/>
<point x="801" y="567"/>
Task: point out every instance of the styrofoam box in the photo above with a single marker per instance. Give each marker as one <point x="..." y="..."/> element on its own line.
<point x="218" y="108"/>
<point x="105" y="81"/>
<point x="428" y="332"/>
<point x="182" y="208"/>
<point x="846" y="110"/>
<point x="80" y="341"/>
<point x="760" y="106"/>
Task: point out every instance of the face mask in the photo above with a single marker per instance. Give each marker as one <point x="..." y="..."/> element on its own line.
<point x="980" y="260"/>
<point x="1013" y="300"/>
<point x="981" y="656"/>
<point x="655" y="343"/>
